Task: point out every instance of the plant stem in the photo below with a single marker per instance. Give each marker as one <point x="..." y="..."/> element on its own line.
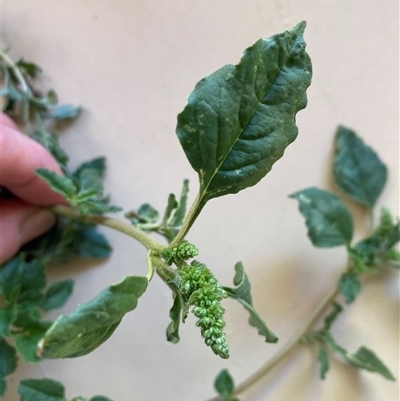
<point x="188" y="221"/>
<point x="285" y="351"/>
<point x="24" y="86"/>
<point x="118" y="225"/>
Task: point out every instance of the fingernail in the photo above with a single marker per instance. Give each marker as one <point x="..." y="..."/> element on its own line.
<point x="36" y="224"/>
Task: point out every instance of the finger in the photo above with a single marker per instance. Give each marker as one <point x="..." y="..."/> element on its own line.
<point x="20" y="223"/>
<point x="20" y="156"/>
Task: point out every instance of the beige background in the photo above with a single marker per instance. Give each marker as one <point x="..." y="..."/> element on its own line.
<point x="131" y="64"/>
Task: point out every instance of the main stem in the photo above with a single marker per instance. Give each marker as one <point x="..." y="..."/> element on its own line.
<point x="288" y="348"/>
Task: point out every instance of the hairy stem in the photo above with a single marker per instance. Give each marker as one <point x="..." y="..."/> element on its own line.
<point x="188" y="221"/>
<point x="288" y="348"/>
<point x="118" y="225"/>
<point x="16" y="71"/>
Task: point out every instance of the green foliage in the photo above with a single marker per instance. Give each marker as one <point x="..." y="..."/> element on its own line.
<point x="94" y="322"/>
<point x="236" y="125"/>
<point x="328" y="220"/>
<point x="364" y="358"/>
<point x="146" y="217"/>
<point x="242" y="294"/>
<point x="48" y="390"/>
<point x="358" y="171"/>
<point x="224" y="385"/>
<point x="57" y="294"/>
<point x="8" y="363"/>
<point x="240" y="119"/>
<point x="349" y="286"/>
<point x="324" y="361"/>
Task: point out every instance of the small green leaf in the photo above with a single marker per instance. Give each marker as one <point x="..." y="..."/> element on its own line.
<point x="98" y="164"/>
<point x="41" y="390"/>
<point x="57" y="294"/>
<point x="224" y="384"/>
<point x="100" y="398"/>
<point x="148" y="213"/>
<point x="349" y="286"/>
<point x="242" y="294"/>
<point x="358" y="170"/>
<point x="324" y="361"/>
<point x="65" y="111"/>
<point x="332" y="316"/>
<point x="178" y="216"/>
<point x="61" y="184"/>
<point x="365" y="359"/>
<point x="240" y="119"/>
<point x="27" y="340"/>
<point x="328" y="220"/>
<point x="30" y="68"/>
<point x="92" y="323"/>
<point x="8" y="363"/>
<point x="51" y="97"/>
<point x="175" y="315"/>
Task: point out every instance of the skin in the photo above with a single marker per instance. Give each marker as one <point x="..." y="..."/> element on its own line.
<point x="21" y="218"/>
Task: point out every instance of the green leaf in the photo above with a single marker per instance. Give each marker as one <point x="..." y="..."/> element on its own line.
<point x="98" y="164"/>
<point x="328" y="220"/>
<point x="100" y="398"/>
<point x="8" y="363"/>
<point x="349" y="286"/>
<point x="92" y="323"/>
<point x="332" y="316"/>
<point x="147" y="213"/>
<point x="57" y="294"/>
<point x="7" y="316"/>
<point x="240" y="119"/>
<point x="27" y="340"/>
<point x="365" y="359"/>
<point x="178" y="216"/>
<point x="358" y="170"/>
<point x="10" y="279"/>
<point x="324" y="361"/>
<point x="30" y="68"/>
<point x="175" y="315"/>
<point x="242" y="294"/>
<point x="41" y="390"/>
<point x="65" y="111"/>
<point x="224" y="384"/>
<point x="89" y="243"/>
<point x="61" y="184"/>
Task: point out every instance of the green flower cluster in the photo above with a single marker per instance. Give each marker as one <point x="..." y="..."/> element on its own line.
<point x="179" y="253"/>
<point x="201" y="290"/>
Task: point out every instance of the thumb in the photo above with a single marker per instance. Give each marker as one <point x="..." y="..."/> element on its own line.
<point x="20" y="223"/>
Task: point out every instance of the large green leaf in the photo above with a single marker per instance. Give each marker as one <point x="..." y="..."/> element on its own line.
<point x="358" y="170"/>
<point x="239" y="120"/>
<point x="328" y="220"/>
<point x="61" y="184"/>
<point x="242" y="294"/>
<point x="8" y="363"/>
<point x="41" y="390"/>
<point x="92" y="323"/>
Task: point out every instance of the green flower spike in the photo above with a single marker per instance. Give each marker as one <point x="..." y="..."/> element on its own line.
<point x="179" y="253"/>
<point x="201" y="290"/>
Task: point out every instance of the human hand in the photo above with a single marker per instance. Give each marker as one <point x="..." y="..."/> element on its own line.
<point x="21" y="220"/>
